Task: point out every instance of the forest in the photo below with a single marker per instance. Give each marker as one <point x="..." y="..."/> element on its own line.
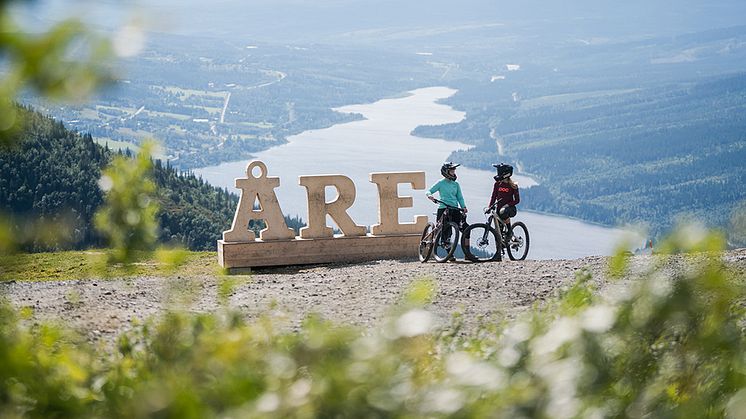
<point x="654" y="155"/>
<point x="51" y="178"/>
<point x="635" y="129"/>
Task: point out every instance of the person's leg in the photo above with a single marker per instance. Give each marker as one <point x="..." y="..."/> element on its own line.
<point x="446" y="232"/>
<point x="510" y="212"/>
<point x="453" y="217"/>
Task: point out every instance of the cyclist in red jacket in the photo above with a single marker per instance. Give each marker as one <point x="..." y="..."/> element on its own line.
<point x="505" y="192"/>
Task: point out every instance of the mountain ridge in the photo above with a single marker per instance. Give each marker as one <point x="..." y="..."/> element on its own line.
<point x="53" y="175"/>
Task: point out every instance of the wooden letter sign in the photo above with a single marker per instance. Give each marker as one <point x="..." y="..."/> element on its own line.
<point x="277" y="245"/>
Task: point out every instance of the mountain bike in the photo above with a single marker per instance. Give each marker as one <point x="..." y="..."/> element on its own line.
<point x="482" y="243"/>
<point x="440" y="239"/>
<point x="489" y="243"/>
<point x="515" y="235"/>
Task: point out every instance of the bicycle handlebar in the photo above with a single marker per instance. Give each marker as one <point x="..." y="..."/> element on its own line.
<point x="438" y="201"/>
<point x="494" y="205"/>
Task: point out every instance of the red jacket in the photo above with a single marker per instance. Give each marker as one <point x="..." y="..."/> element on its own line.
<point x="505" y="194"/>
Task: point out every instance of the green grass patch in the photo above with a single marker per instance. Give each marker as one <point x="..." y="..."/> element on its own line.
<point x="90" y="115"/>
<point x="75" y="265"/>
<point x="139" y="134"/>
<point x="262" y="125"/>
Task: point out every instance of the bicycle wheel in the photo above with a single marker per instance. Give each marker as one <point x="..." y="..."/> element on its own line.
<point x="518" y="241"/>
<point x="445" y="242"/>
<point x="426" y="242"/>
<point x="481" y="243"/>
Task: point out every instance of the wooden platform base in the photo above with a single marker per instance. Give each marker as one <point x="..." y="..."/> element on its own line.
<point x="307" y="251"/>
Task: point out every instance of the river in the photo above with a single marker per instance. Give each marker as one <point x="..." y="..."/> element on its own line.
<point x="382" y="143"/>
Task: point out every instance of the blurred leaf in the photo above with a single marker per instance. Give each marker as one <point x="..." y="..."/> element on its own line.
<point x="420" y="292"/>
<point x="619" y="262"/>
<point x="67" y="62"/>
<point x="671" y="345"/>
<point x="128" y="217"/>
<point x="579" y="295"/>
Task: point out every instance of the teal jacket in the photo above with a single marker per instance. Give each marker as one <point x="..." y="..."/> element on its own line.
<point x="449" y="191"/>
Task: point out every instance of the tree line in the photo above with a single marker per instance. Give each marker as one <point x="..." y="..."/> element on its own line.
<point x="51" y="178"/>
<point x="650" y="155"/>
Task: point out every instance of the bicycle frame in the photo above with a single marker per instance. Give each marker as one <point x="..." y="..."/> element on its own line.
<point x="443" y="217"/>
<point x="438" y="226"/>
<point x="435" y="230"/>
<point x="510" y="242"/>
<point x="494" y="219"/>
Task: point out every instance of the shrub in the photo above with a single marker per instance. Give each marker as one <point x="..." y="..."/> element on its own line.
<point x="671" y="345"/>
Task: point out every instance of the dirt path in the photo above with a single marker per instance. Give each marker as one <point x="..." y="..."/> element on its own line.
<point x="357" y="294"/>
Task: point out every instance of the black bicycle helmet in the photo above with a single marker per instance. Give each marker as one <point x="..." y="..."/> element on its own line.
<point x="446" y="167"/>
<point x="504" y="171"/>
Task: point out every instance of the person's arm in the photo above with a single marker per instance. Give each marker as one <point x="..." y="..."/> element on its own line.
<point x="432" y="190"/>
<point x="460" y="198"/>
<point x="516" y="196"/>
<point x="494" y="196"/>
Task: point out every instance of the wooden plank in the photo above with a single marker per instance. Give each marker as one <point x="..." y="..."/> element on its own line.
<point x="320" y="250"/>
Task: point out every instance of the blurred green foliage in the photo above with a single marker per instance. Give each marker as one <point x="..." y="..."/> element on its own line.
<point x="53" y="174"/>
<point x="671" y="345"/>
<point x="70" y="62"/>
<point x="128" y="216"/>
<point x="65" y="62"/>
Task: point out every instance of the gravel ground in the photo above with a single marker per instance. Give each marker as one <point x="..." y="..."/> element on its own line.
<point x="357" y="294"/>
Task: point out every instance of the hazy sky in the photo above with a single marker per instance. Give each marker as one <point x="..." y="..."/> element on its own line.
<point x="323" y="20"/>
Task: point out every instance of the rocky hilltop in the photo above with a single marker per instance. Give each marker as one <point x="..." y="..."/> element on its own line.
<point x="358" y="294"/>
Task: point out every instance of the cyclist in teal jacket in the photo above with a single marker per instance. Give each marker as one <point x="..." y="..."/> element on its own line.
<point x="449" y="192"/>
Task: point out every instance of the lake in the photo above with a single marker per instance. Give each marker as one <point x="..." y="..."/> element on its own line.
<point x="382" y="143"/>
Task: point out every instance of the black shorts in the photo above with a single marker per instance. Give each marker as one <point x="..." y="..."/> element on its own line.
<point x="454" y="216"/>
<point x="508" y="212"/>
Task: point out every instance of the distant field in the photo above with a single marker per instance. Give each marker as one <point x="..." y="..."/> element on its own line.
<point x="208" y="109"/>
<point x="89" y="114"/>
<point x="158" y="152"/>
<point x="116" y="145"/>
<point x="139" y="134"/>
<point x="179" y="116"/>
<point x="117" y="111"/>
<point x="263" y="125"/>
<point x="189" y="93"/>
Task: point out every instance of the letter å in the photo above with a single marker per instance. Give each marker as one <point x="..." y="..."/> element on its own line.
<point x="262" y="188"/>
